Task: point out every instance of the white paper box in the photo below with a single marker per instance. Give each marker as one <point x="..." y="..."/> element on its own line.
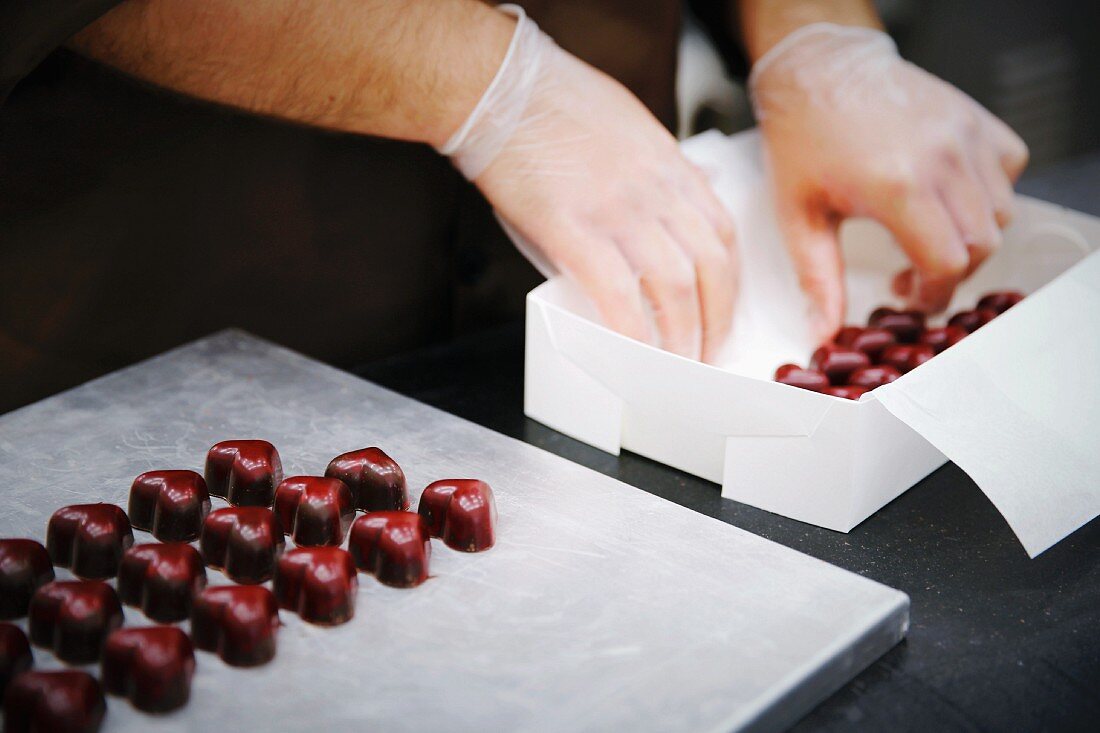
<point x="1016" y="404"/>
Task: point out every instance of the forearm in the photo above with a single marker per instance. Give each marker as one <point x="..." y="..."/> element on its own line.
<point x="410" y="70"/>
<point x="764" y="23"/>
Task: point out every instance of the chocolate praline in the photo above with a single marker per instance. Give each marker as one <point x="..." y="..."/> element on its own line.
<point x="152" y="666"/>
<point x="870" y="340"/>
<point x="24" y="567"/>
<point x="971" y="321"/>
<point x="161" y="579"/>
<point x="243" y="472"/>
<point x="15" y="654"/>
<point x="1000" y="301"/>
<point x="873" y="376"/>
<point x="942" y="338"/>
<point x="63" y="701"/>
<point x="395" y="547"/>
<point x="169" y="504"/>
<point x="837" y="362"/>
<point x="72" y="618"/>
<point x="314" y="510"/>
<point x="236" y="622"/>
<point x="243" y="542"/>
<point x="89" y="539"/>
<point x="905" y="325"/>
<point x="906" y="357"/>
<point x="375" y="479"/>
<point x="462" y="512"/>
<point x="795" y="376"/>
<point x="317" y="583"/>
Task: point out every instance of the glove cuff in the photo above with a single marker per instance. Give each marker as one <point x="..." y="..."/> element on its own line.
<point x="498" y="113"/>
<point x="812" y="42"/>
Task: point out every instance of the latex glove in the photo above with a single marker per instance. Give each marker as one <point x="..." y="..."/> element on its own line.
<point x="853" y="130"/>
<point x="588" y="183"/>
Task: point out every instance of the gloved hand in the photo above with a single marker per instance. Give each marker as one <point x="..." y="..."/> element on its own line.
<point x="853" y="130"/>
<point x="588" y="183"/>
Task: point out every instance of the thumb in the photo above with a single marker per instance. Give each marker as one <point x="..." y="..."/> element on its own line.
<point x="811" y="239"/>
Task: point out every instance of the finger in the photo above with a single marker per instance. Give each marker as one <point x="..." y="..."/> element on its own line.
<point x="606" y="278"/>
<point x="927" y="233"/>
<point x="702" y="195"/>
<point x="997" y="184"/>
<point x="811" y="239"/>
<point x="902" y="284"/>
<point x="715" y="274"/>
<point x="1012" y="151"/>
<point x="965" y="198"/>
<point x="668" y="283"/>
<point x="718" y="272"/>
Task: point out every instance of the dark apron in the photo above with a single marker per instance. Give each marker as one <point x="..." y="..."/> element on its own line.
<point x="133" y="220"/>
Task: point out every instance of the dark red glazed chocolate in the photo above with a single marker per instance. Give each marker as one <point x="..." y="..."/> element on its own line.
<point x="1001" y="300"/>
<point x="919" y="354"/>
<point x="15" y="654"/>
<point x="837" y="362"/>
<point x="941" y="338"/>
<point x="395" y="547"/>
<point x="375" y="479"/>
<point x="317" y="583"/>
<point x="462" y="512"/>
<point x="796" y="376"/>
<point x="24" y="566"/>
<point x="905" y="325"/>
<point x="89" y="539"/>
<point x="873" y="376"/>
<point x="847" y="334"/>
<point x="152" y="666"/>
<point x="66" y="701"/>
<point x="871" y="341"/>
<point x="243" y="472"/>
<point x="971" y="321"/>
<point x="314" y="510"/>
<point x="160" y="579"/>
<point x="846" y="391"/>
<point x="73" y="617"/>
<point x="169" y="504"/>
<point x="896" y="342"/>
<point x="243" y="542"/>
<point x="906" y="357"/>
<point x="236" y="622"/>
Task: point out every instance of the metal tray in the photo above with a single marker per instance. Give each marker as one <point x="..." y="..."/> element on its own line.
<point x="601" y="607"/>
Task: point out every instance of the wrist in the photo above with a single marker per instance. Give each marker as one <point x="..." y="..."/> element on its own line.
<point x="816" y="57"/>
<point x="482" y="49"/>
<point x="502" y="107"/>
<point x="420" y="78"/>
<point x="765" y="23"/>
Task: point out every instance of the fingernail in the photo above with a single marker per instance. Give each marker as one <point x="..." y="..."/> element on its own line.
<point x="902" y="284"/>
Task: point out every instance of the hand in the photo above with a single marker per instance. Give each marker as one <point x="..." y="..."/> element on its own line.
<point x="576" y="166"/>
<point x="853" y="130"/>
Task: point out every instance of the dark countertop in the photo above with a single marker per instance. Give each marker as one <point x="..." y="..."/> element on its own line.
<point x="998" y="641"/>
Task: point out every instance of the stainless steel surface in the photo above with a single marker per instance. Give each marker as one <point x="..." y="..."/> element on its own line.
<point x="601" y="608"/>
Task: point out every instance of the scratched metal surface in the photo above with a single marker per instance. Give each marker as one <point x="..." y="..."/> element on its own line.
<point x="601" y="608"/>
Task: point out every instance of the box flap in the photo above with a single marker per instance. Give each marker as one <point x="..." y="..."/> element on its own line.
<point x="711" y="398"/>
<point x="1017" y="406"/>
